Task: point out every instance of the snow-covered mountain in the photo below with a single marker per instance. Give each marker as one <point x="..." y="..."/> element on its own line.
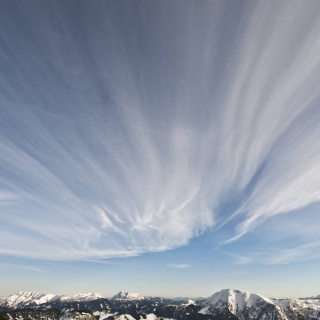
<point x="82" y="297"/>
<point x="26" y="299"/>
<point x="122" y="295"/>
<point x="306" y="309"/>
<point x="243" y="305"/>
<point x="223" y="305"/>
<point x="33" y="299"/>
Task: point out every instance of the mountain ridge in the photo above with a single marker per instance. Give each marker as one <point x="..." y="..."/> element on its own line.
<point x="225" y="304"/>
<point x="123" y="295"/>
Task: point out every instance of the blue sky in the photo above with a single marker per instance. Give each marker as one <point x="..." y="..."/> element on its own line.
<point x="169" y="148"/>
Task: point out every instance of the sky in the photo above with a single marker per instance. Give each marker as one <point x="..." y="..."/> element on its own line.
<point x="170" y="148"/>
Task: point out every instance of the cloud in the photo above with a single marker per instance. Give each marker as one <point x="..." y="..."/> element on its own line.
<point x="166" y="123"/>
<point x="283" y="239"/>
<point x="21" y="266"/>
<point x="7" y="198"/>
<point x="179" y="266"/>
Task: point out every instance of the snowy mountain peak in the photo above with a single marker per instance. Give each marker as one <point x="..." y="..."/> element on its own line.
<point x="90" y="296"/>
<point x="237" y="298"/>
<point x="244" y="305"/>
<point x="82" y="297"/>
<point x="27" y="298"/>
<point x="122" y="295"/>
<point x="33" y="299"/>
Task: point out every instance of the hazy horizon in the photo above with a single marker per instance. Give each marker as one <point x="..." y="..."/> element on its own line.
<point x="160" y="147"/>
<point x="160" y="296"/>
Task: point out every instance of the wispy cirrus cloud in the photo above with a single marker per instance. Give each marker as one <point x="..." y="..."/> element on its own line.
<point x="178" y="266"/>
<point x="283" y="239"/>
<point x="21" y="266"/>
<point x="128" y="148"/>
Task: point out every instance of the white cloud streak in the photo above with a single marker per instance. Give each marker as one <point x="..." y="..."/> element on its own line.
<point x="20" y="266"/>
<point x="178" y="266"/>
<point x="156" y="131"/>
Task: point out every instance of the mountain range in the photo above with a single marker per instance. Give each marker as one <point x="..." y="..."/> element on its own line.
<point x="223" y="305"/>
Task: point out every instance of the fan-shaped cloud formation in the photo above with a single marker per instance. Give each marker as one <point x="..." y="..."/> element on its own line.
<point x="135" y="128"/>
